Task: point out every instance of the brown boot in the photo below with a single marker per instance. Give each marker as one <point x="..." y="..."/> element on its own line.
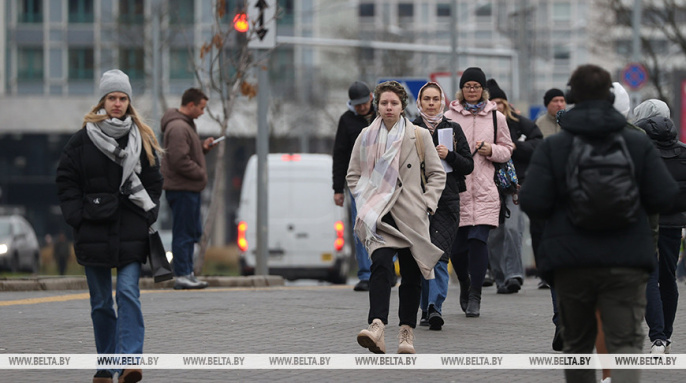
<point x="406" y="340"/>
<point x="373" y="337"/>
<point x="131" y="376"/>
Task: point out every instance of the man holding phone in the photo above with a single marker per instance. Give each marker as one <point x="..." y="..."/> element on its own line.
<point x="185" y="176"/>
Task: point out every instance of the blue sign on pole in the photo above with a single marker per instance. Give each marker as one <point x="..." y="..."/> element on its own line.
<point x="635" y="76"/>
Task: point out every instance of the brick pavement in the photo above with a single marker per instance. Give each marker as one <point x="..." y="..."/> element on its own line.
<point x="303" y="319"/>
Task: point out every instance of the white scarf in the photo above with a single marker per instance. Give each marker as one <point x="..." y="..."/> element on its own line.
<point x="104" y="135"/>
<point x="379" y="164"/>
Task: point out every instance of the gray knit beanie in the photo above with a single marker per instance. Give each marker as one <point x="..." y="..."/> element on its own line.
<point x="114" y="81"/>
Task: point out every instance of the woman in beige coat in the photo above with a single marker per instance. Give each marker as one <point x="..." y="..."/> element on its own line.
<point x="384" y="177"/>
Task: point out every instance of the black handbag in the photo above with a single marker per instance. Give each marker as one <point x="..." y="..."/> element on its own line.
<point x="159" y="265"/>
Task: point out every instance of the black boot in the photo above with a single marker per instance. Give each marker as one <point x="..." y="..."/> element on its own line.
<point x="464" y="294"/>
<point x="473" y="304"/>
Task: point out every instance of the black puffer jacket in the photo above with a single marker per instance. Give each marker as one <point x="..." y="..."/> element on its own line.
<point x="445" y="221"/>
<point x="115" y="239"/>
<point x="349" y="127"/>
<point x="673" y="152"/>
<point x="544" y="196"/>
<point x="526" y="136"/>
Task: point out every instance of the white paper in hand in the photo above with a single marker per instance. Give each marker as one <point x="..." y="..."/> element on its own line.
<point x="445" y="138"/>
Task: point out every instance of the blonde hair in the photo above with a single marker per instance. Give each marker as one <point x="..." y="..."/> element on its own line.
<point x="150" y="143"/>
<point x="508" y="112"/>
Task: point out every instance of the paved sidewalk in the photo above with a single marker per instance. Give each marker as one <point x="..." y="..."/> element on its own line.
<point x="317" y="319"/>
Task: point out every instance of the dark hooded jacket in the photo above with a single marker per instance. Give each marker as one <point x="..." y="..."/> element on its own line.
<point x="120" y="236"/>
<point x="544" y="194"/>
<point x="526" y="136"/>
<point x="349" y="127"/>
<point x="673" y="152"/>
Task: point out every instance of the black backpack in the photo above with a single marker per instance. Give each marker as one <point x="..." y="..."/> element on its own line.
<point x="602" y="189"/>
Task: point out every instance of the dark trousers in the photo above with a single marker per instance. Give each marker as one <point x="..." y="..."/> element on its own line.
<point x="380" y="283"/>
<point x="662" y="292"/>
<point x="186" y="228"/>
<point x="470" y="254"/>
<point x="619" y="294"/>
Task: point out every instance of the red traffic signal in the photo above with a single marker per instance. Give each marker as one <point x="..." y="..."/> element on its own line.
<point x="240" y="22"/>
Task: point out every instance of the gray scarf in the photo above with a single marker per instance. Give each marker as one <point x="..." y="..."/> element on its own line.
<point x="104" y="135"/>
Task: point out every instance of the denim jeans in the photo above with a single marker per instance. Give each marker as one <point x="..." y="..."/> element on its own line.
<point x="121" y="332"/>
<point x="186" y="228"/>
<point x="435" y="290"/>
<point x="505" y="246"/>
<point x="662" y="292"/>
<point x="363" y="261"/>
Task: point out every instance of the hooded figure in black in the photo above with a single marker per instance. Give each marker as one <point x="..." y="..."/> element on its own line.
<point x="662" y="292"/>
<point x="596" y="269"/>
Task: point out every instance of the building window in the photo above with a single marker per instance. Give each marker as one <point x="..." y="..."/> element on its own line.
<point x="484" y="10"/>
<point x="181" y="12"/>
<point x="31" y="11"/>
<point x="81" y="64"/>
<point x="443" y="10"/>
<point x="366" y="10"/>
<point x="561" y="53"/>
<point x="285" y="12"/>
<point x="80" y="11"/>
<point x="30" y="64"/>
<point x="132" y="62"/>
<point x="405" y="10"/>
<point x="131" y="12"/>
<point x="180" y="64"/>
<point x="562" y="12"/>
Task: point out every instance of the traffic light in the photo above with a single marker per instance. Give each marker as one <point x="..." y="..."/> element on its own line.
<point x="240" y="22"/>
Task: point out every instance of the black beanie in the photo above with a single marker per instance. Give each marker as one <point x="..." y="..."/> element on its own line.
<point x="550" y="94"/>
<point x="473" y="74"/>
<point x="494" y="90"/>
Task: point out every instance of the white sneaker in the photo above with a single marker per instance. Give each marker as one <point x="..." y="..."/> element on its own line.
<point x="188" y="282"/>
<point x="668" y="347"/>
<point x="658" y="347"/>
<point x="373" y="337"/>
<point x="606" y="380"/>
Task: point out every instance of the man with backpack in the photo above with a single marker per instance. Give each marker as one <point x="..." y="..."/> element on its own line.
<point x="595" y="256"/>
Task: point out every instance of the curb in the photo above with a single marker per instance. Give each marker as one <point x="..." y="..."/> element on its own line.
<point x="145" y="283"/>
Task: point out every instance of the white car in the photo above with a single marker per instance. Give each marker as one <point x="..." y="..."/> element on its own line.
<point x="18" y="245"/>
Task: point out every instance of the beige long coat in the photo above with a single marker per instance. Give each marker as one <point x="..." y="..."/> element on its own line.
<point x="409" y="205"/>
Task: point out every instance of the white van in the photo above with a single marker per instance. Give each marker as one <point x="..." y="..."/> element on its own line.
<point x="308" y="237"/>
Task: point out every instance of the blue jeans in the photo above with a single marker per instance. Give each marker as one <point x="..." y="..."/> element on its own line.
<point x="662" y="292"/>
<point x="363" y="261"/>
<point x="186" y="228"/>
<point x="121" y="332"/>
<point x="435" y="290"/>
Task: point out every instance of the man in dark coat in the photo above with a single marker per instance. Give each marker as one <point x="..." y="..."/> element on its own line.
<point x="603" y="269"/>
<point x="358" y="116"/>
<point x="185" y="176"/>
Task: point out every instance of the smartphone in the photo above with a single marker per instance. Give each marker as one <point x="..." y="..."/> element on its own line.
<point x="218" y="140"/>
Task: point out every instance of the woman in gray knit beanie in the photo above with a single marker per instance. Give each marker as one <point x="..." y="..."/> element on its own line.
<point x="109" y="186"/>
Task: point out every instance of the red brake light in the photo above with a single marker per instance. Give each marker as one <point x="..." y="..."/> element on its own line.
<point x="290" y="157"/>
<point x="242" y="242"/>
<point x="340" y="231"/>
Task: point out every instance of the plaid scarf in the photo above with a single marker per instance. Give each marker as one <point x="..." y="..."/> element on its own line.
<point x="379" y="163"/>
<point x="432" y="121"/>
<point x="104" y="135"/>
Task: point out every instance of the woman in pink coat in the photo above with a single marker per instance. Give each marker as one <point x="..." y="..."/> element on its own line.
<point x="480" y="203"/>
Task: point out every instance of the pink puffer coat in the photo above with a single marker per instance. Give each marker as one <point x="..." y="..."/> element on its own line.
<point x="480" y="203"/>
